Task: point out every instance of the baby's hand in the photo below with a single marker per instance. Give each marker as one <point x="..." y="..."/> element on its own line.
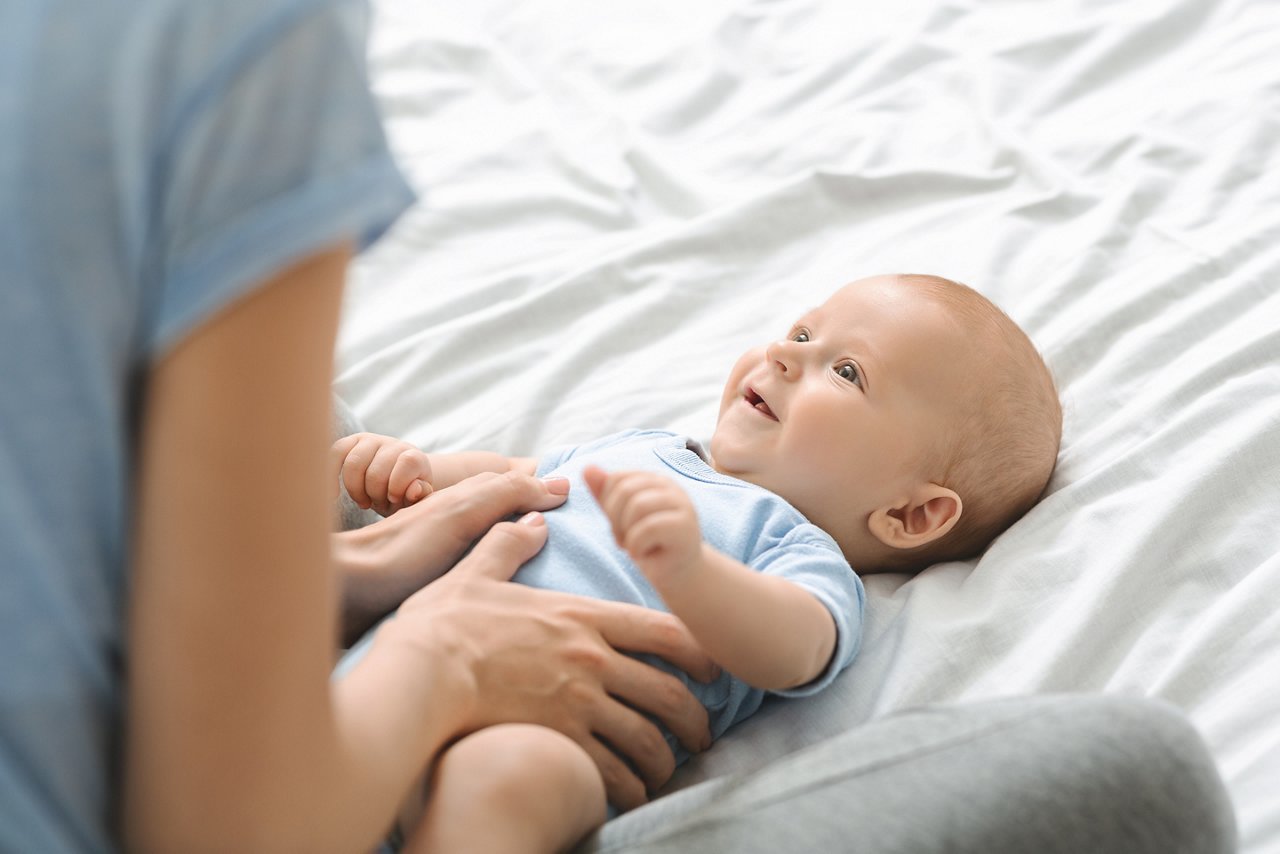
<point x="653" y="520"/>
<point x="381" y="472"/>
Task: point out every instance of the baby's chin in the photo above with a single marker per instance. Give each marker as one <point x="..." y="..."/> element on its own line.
<point x="724" y="465"/>
<point x="721" y="456"/>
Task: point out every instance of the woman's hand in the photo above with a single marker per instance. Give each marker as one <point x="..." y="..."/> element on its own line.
<point x="383" y="563"/>
<point x="549" y="658"/>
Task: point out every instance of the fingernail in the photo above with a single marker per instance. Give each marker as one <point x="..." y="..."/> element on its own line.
<point x="533" y="517"/>
<point x="557" y="485"/>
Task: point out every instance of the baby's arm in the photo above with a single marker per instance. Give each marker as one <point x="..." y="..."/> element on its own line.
<point x="388" y="474"/>
<point x="767" y="631"/>
<point x="448" y="469"/>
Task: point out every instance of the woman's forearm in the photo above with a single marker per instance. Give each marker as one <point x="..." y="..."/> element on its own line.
<point x="236" y="738"/>
<point x="765" y="630"/>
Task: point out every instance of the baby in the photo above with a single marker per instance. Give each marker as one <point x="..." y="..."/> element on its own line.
<point x="903" y="422"/>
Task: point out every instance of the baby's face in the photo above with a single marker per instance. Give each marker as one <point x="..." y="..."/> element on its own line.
<point x="838" y="417"/>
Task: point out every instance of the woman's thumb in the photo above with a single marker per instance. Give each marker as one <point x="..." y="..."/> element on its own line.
<point x="501" y="552"/>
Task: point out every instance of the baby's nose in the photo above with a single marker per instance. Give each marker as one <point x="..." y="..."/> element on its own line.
<point x="781" y="357"/>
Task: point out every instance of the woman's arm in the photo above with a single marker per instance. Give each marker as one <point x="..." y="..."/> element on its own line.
<point x="232" y="739"/>
<point x="236" y="739"/>
<point x="765" y="630"/>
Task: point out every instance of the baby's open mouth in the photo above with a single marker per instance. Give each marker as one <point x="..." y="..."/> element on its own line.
<point x="757" y="401"/>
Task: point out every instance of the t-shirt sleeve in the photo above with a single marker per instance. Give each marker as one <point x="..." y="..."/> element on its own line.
<point x="819" y="568"/>
<point x="274" y="151"/>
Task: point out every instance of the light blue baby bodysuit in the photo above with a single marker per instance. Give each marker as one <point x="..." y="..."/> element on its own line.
<point x="738" y="519"/>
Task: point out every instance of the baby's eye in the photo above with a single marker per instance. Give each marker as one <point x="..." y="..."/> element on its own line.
<point x="800" y="336"/>
<point x="848" y="371"/>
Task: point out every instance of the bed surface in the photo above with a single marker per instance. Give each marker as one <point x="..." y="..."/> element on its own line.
<point x="619" y="198"/>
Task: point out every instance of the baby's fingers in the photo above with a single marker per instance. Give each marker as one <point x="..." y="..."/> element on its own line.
<point x="629" y="498"/>
<point x="378" y="476"/>
<point x="337" y="457"/>
<point x="613" y="491"/>
<point x="361" y="449"/>
<point x="410" y="479"/>
<point x="597" y="479"/>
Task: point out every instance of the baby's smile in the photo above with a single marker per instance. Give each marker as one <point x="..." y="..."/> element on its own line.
<point x="758" y="403"/>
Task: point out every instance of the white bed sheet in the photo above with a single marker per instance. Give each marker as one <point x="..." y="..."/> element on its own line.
<point x="620" y="197"/>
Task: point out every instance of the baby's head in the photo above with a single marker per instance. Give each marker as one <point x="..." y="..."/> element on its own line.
<point x="907" y="416"/>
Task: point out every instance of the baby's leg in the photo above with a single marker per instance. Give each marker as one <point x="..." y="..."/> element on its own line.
<point x="510" y="788"/>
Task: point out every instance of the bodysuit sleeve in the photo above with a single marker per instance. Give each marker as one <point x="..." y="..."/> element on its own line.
<point x="810" y="558"/>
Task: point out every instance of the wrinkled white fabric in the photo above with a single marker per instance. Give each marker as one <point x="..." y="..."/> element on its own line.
<point x="618" y="198"/>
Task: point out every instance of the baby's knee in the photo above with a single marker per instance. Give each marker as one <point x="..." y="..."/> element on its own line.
<point x="516" y="763"/>
<point x="521" y="749"/>
<point x="512" y="787"/>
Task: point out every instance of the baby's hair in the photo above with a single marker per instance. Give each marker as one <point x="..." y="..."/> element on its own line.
<point x="1003" y="452"/>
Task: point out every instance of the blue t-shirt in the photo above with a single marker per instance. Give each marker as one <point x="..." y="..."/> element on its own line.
<point x="158" y="159"/>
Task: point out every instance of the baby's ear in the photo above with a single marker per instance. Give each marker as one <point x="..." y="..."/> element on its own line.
<point x="927" y="514"/>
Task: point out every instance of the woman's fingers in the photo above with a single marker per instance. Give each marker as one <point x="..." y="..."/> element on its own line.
<point x="469" y="507"/>
<point x="645" y="687"/>
<point x="635" y="628"/>
<point x="540" y="656"/>
<point x="501" y="551"/>
<point x="626" y="791"/>
<point x="509" y="493"/>
<point x="422" y="541"/>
